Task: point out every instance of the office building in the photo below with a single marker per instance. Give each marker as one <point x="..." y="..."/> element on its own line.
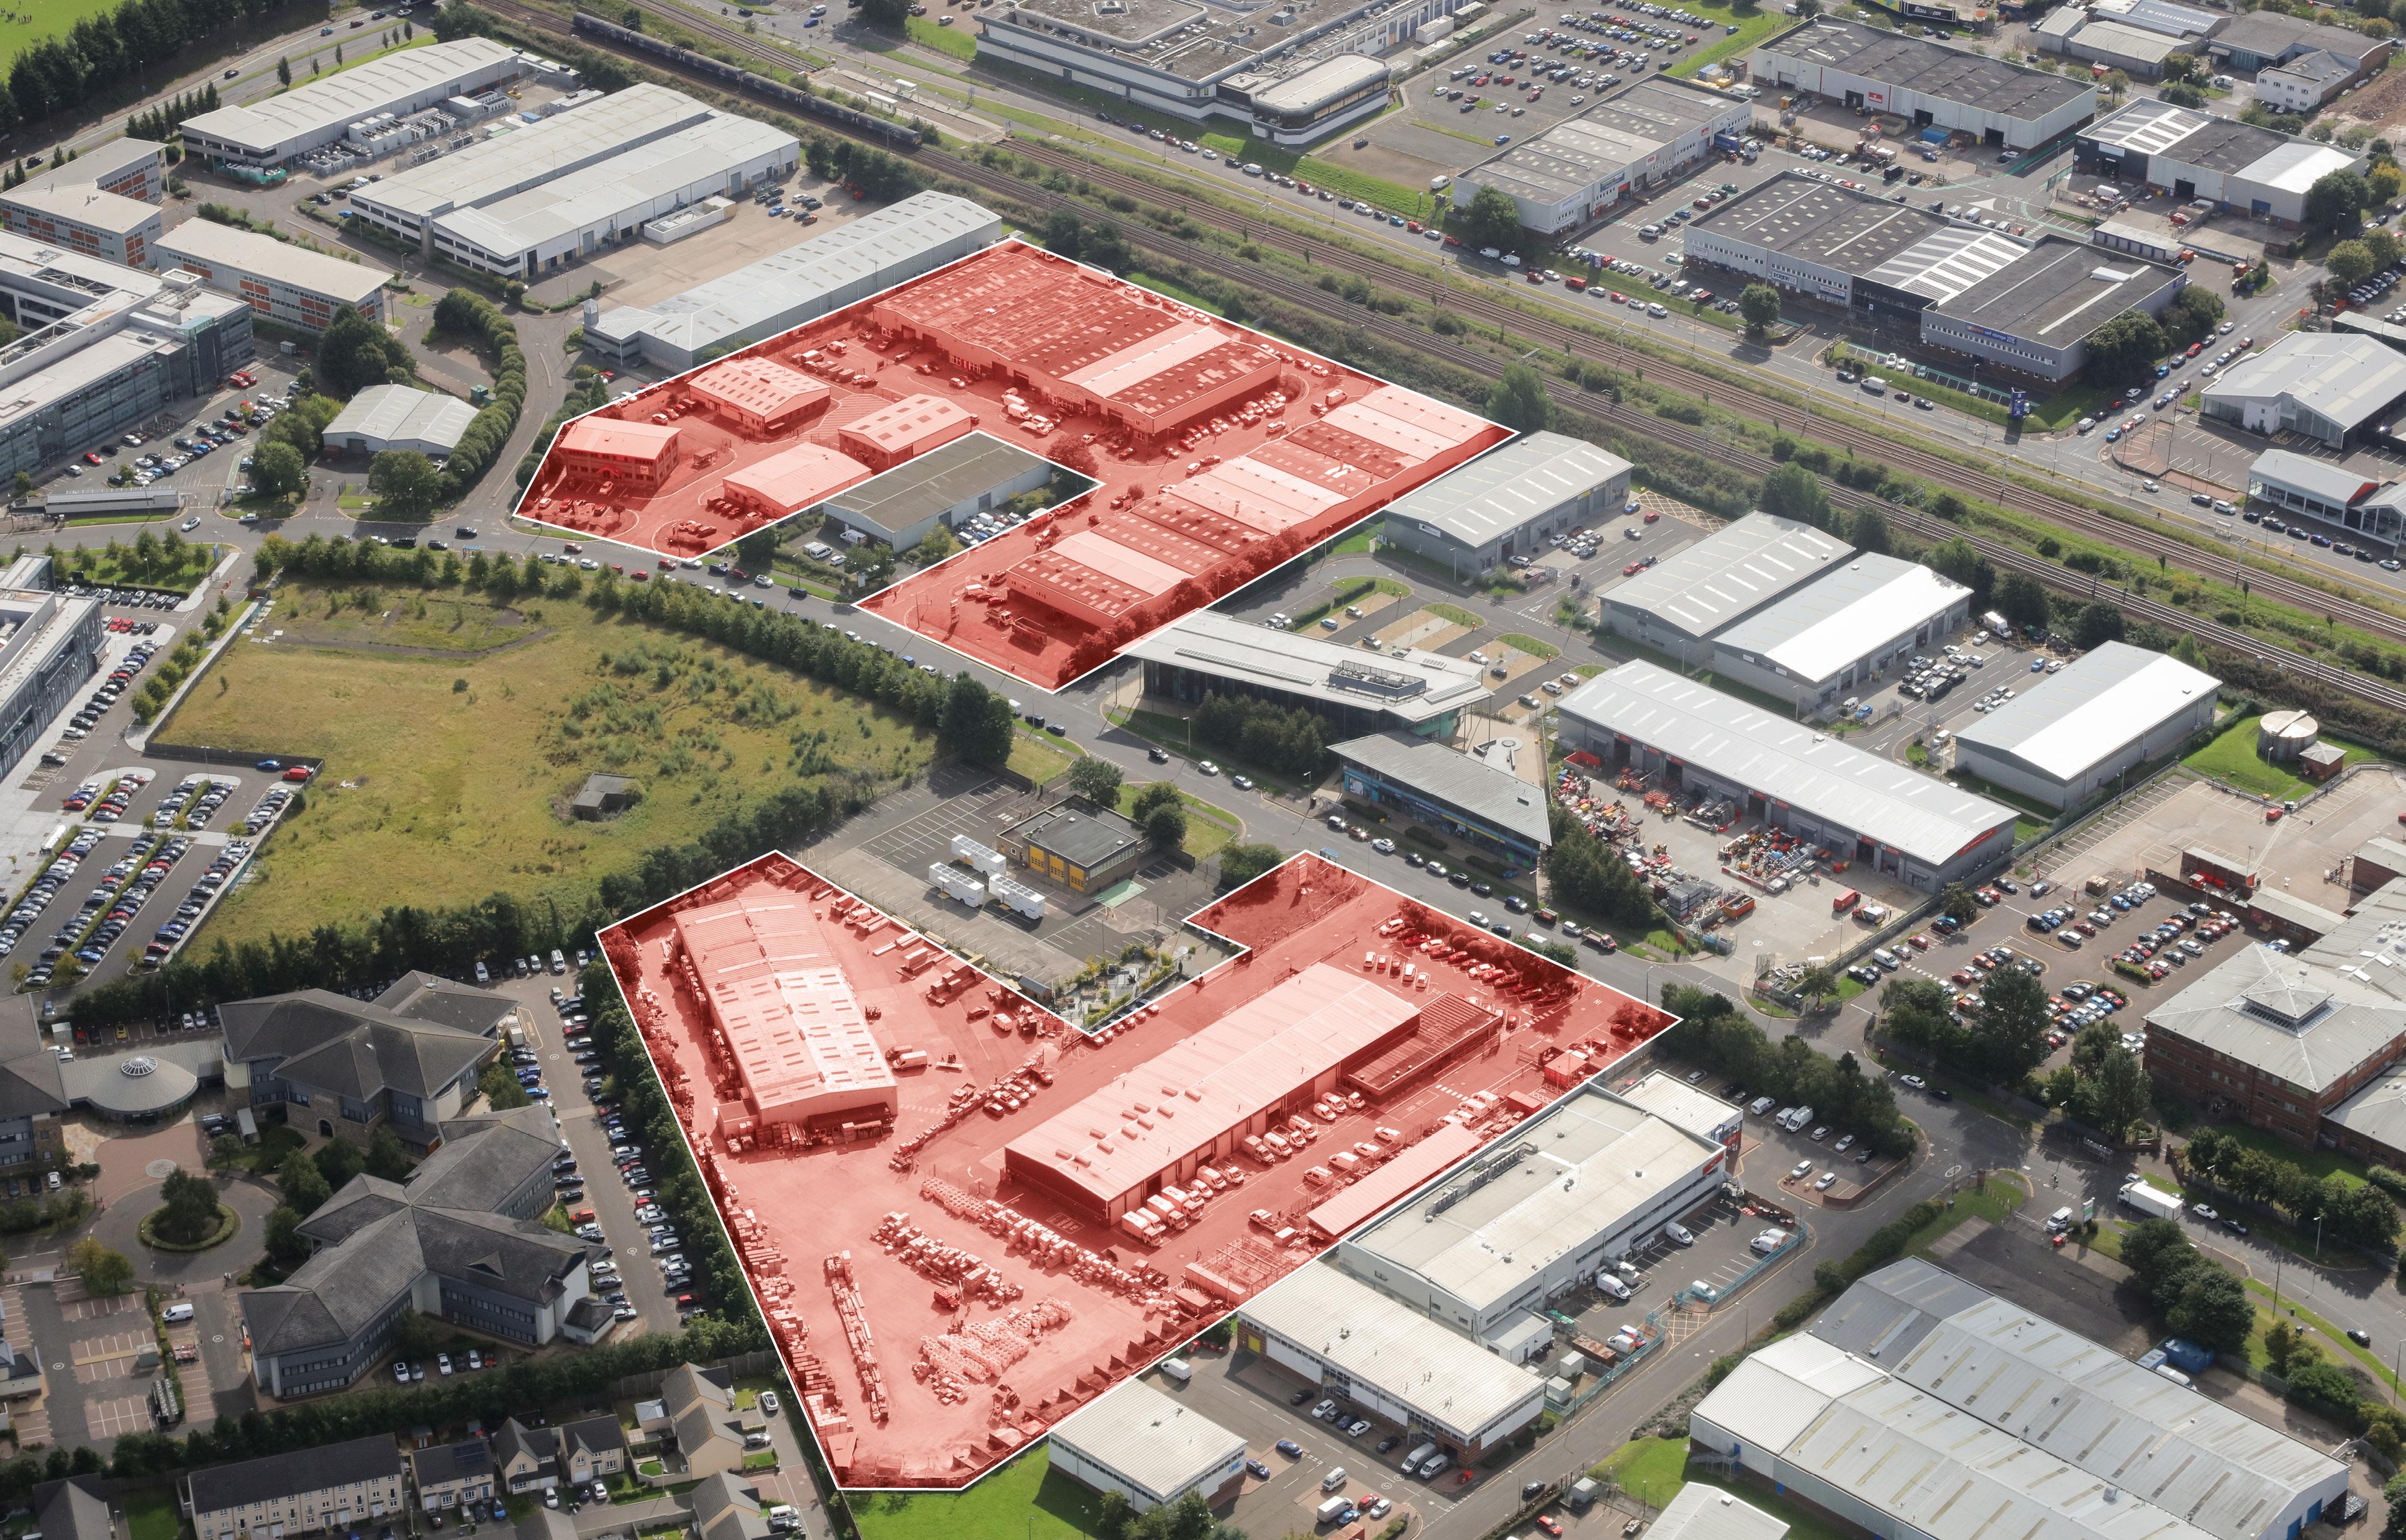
<point x="2192" y="154"/>
<point x="1929" y="84"/>
<point x="2076" y="734"/>
<point x="2336" y="387"/>
<point x="1840" y="634"/>
<point x="89" y="219"/>
<point x="1680" y="606"/>
<point x="50" y="649"/>
<point x="399" y="416"/>
<point x="1482" y="804"/>
<point x="1358" y="691"/>
<point x="331" y="1487"/>
<point x="2300" y="487"/>
<point x="281" y="128"/>
<point x="1508" y="502"/>
<point x="1144" y="1445"/>
<point x="1865" y="808"/>
<point x="1651" y="132"/>
<point x="827" y="271"/>
<point x="599" y="449"/>
<point x="952" y="485"/>
<point x="2264" y="41"/>
<point x="290" y="284"/>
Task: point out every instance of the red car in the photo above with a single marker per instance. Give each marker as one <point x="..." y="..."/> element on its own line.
<point x="1551" y="1524"/>
<point x="1632" y="568"/>
<point x="90" y="459"/>
<point x="299" y="772"/>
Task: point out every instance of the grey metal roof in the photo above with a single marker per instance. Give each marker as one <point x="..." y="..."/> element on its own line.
<point x="1916" y="63"/>
<point x="2342" y="377"/>
<point x="391" y="412"/>
<point x="1649" y="115"/>
<point x="2054" y="294"/>
<point x="2127" y="42"/>
<point x="1148" y="1439"/>
<point x="2271" y="33"/>
<point x="1817" y="631"/>
<point x="2100" y="701"/>
<point x="2325" y="479"/>
<point x="1381" y="1341"/>
<point x="942" y="478"/>
<point x="1820" y="222"/>
<point x="374" y="1457"/>
<point x="1730" y="575"/>
<point x="2308" y="1020"/>
<point x="1480" y="790"/>
<point x="1701" y="1512"/>
<point x="1505" y="488"/>
<point x="316" y="106"/>
<point x="2321" y="67"/>
<point x="1876" y="798"/>
<point x="1417" y="688"/>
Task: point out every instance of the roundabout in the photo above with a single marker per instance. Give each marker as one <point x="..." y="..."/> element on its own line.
<point x="229" y="1225"/>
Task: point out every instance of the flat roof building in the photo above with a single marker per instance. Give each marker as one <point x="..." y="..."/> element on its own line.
<point x="1682" y="604"/>
<point x="1109" y="1152"/>
<point x="2331" y="386"/>
<point x="901" y="429"/>
<point x="599" y="449"/>
<point x="807" y="280"/>
<point x="316" y="113"/>
<point x="1149" y="1448"/>
<point x="1537" y="1213"/>
<point x="759" y="395"/>
<point x="1508" y="501"/>
<point x="793" y="479"/>
<point x="88" y="218"/>
<point x="1701" y="1512"/>
<point x="1328" y="1327"/>
<point x="2266" y="40"/>
<point x="2300" y="487"/>
<point x="2000" y="104"/>
<point x="399" y="416"/>
<point x="1907" y="826"/>
<point x="1841" y="632"/>
<point x="1297" y="109"/>
<point x="287" y="284"/>
<point x="1084" y="849"/>
<point x="1357" y="691"/>
<point x="950" y="484"/>
<point x="1650" y="132"/>
<point x="2193" y="154"/>
<point x="2073" y="733"/>
<point x="2034" y="316"/>
<point x="1484" y="805"/>
<point x="787" y="1014"/>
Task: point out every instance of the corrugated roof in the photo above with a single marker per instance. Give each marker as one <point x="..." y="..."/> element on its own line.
<point x="1505" y="487"/>
<point x="389" y="412"/>
<point x="2100" y="701"/>
<point x="1414" y="689"/>
<point x="1876" y="798"/>
<point x="348" y="95"/>
<point x="1841" y="616"/>
<point x="2299" y="1019"/>
<point x="1729" y="574"/>
<point x="1485" y="792"/>
<point x="2333" y="483"/>
<point x="1149" y="1440"/>
<point x="504" y="163"/>
<point x="1701" y="1512"/>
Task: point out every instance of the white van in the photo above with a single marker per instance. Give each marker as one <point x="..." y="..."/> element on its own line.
<point x="174" y="1313"/>
<point x="1177" y="1369"/>
<point x="2058" y="1221"/>
<point x="1872" y="384"/>
<point x="1612" y="1287"/>
<point x="1333" y="1481"/>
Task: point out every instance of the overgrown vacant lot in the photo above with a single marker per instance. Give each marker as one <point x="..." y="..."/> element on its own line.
<point x="455" y="731"/>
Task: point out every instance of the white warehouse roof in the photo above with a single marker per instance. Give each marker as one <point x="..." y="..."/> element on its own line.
<point x="1731" y="574"/>
<point x="1150" y="1440"/>
<point x="1834" y="620"/>
<point x="278" y="261"/>
<point x="2340" y="375"/>
<point x="1708" y="1513"/>
<point x="2099" y="702"/>
<point x="402" y="416"/>
<point x="1384" y="1342"/>
<point x="331" y="104"/>
<point x="503" y="164"/>
<point x="1734" y="743"/>
<point x="1421" y="687"/>
<point x="1508" y="486"/>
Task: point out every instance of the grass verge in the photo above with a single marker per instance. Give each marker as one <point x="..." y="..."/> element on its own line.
<point x="2231" y="759"/>
<point x="1023" y="1500"/>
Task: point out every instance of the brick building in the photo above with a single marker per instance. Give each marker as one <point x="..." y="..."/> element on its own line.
<point x="630" y="454"/>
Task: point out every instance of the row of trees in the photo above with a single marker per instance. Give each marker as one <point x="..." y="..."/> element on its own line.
<point x="1712" y="1032"/>
<point x="1099" y="243"/>
<point x="2126" y="349"/>
<point x="102" y="54"/>
<point x="2200" y="1300"/>
<point x="162" y="121"/>
<point x="356" y="352"/>
<point x="2352" y="1211"/>
<point x="2000" y="1041"/>
<point x="1589" y="874"/>
<point x="1291" y="741"/>
<point x="472" y="318"/>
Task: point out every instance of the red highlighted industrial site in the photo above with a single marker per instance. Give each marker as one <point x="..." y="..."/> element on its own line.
<point x="1218" y="453"/>
<point x="964" y="1217"/>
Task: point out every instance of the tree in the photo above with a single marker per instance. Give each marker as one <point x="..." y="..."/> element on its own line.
<point x="2118" y="85"/>
<point x="1759" y="302"/>
<point x="406" y="483"/>
<point x="1240" y="864"/>
<point x="188" y="1211"/>
<point x="501" y="1089"/>
<point x="103" y="1271"/>
<point x="24" y="485"/>
<point x="2126" y="348"/>
<point x="1956" y="562"/>
<point x="2155" y="1248"/>
<point x="2336" y="203"/>
<point x="1959" y="904"/>
<point x="1097" y="780"/>
<point x="1791" y="491"/>
<point x="2097" y="624"/>
<point x="1492" y="219"/>
<point x="304" y="1187"/>
<point x="2179" y="67"/>
<point x="2384" y="182"/>
<point x="2385" y="247"/>
<point x="939" y="541"/>
<point x="2213" y="1310"/>
<point x="2021" y="599"/>
<point x="278" y="470"/>
<point x="2350" y="262"/>
<point x="355" y="353"/>
<point x="413" y="1335"/>
<point x="1818" y="982"/>
<point x="975" y="724"/>
<point x="387" y="1159"/>
<point x="1519" y="399"/>
<point x="1867" y="531"/>
<point x="2009" y="1030"/>
<point x="2118" y="1095"/>
<point x="284" y="72"/>
<point x="1164" y="822"/>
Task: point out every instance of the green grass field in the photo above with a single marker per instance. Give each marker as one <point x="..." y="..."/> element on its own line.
<point x="1023" y="1500"/>
<point x="21" y="29"/>
<point x="1040" y="759"/>
<point x="151" y="1516"/>
<point x="448" y="771"/>
<point x="2231" y="759"/>
<point x="1753" y="22"/>
<point x="1654" y="1470"/>
<point x="958" y="41"/>
<point x="1208" y="827"/>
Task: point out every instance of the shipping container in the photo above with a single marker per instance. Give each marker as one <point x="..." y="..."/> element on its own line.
<point x="957" y="884"/>
<point x="971" y="852"/>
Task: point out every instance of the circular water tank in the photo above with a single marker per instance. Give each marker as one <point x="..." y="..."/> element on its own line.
<point x="2282" y="736"/>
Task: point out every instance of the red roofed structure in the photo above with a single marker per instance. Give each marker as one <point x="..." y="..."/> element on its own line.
<point x="913" y="426"/>
<point x="800" y="477"/>
<point x="760" y="396"/>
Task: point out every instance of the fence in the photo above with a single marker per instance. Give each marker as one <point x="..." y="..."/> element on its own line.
<point x="1802" y="1233"/>
<point x="1597" y="1384"/>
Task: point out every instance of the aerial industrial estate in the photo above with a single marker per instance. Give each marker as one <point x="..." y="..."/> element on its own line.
<point x="1130" y="768"/>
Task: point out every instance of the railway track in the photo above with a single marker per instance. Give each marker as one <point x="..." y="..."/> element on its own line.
<point x="1271" y="285"/>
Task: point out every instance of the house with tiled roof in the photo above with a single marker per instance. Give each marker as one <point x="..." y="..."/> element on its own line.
<point x="451" y="1475"/>
<point x="725" y="1508"/>
<point x="700" y="1407"/>
<point x="458" y="1238"/>
<point x="332" y="1487"/>
<point x="341" y="1067"/>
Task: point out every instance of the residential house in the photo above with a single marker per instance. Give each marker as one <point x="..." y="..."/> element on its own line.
<point x="451" y="1475"/>
<point x="724" y="1508"/>
<point x="406" y="1060"/>
<point x="527" y="1459"/>
<point x="702" y="1419"/>
<point x="592" y="1449"/>
<point x="458" y="1238"/>
<point x="77" y="1508"/>
<point x="332" y="1487"/>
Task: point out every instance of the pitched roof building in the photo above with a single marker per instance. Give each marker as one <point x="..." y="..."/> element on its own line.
<point x="331" y="1487"/>
<point x="405" y="1059"/>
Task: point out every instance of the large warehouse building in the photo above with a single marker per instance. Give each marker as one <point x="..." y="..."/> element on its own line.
<point x="1680" y="606"/>
<point x="2193" y="154"/>
<point x="1149" y="1448"/>
<point x="1907" y="826"/>
<point x="316" y="113"/>
<point x="2000" y="104"/>
<point x="797" y="285"/>
<point x="1106" y="1153"/>
<point x="2114" y="709"/>
<point x="1533" y="1216"/>
<point x="1508" y="501"/>
<point x="1838" y="634"/>
<point x="1485" y="805"/>
<point x="399" y="416"/>
<point x="791" y="1023"/>
<point x="951" y="485"/>
<point x="2336" y="387"/>
<point x="285" y="284"/>
<point x="1209" y="652"/>
<point x="1905" y="1410"/>
<point x="2026" y="308"/>
<point x="1336" y="1330"/>
<point x="1653" y="130"/>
